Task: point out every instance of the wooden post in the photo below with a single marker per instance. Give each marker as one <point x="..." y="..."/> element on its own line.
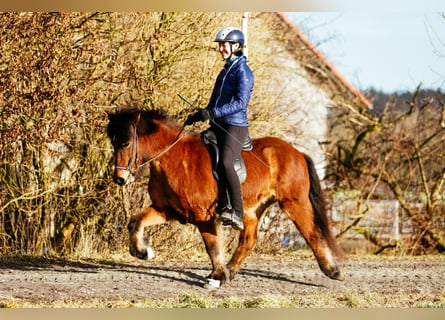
<point x="245" y="23"/>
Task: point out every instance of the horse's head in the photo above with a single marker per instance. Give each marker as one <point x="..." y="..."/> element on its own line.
<point x="123" y="133"/>
<point x="139" y="137"/>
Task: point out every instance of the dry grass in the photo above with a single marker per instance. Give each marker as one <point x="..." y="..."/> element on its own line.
<point x="192" y="300"/>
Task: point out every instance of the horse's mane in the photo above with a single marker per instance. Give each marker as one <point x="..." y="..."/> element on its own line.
<point x="120" y="121"/>
<point x="145" y="113"/>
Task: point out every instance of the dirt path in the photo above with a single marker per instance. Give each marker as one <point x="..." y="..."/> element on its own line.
<point x="36" y="279"/>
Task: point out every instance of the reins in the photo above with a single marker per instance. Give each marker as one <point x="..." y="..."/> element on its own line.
<point x="160" y="154"/>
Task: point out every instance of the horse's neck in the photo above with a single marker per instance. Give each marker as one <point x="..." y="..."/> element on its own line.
<point x="156" y="143"/>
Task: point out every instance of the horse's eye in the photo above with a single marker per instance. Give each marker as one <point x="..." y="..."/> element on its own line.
<point x="125" y="145"/>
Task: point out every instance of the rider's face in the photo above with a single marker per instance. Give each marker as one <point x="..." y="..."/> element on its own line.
<point x="225" y="49"/>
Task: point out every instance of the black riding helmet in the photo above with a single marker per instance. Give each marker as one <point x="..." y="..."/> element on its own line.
<point x="232" y="35"/>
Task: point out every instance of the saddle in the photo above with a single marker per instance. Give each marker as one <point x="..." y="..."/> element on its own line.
<point x="209" y="139"/>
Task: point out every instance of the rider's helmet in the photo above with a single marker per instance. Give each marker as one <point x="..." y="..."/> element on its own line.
<point x="232" y="35"/>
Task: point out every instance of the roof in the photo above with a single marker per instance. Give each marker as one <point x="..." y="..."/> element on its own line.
<point x="325" y="64"/>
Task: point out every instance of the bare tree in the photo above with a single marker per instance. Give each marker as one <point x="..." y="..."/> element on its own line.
<point x="395" y="155"/>
<point x="60" y="74"/>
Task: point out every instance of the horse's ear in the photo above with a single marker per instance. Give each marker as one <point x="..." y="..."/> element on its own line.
<point x="136" y="120"/>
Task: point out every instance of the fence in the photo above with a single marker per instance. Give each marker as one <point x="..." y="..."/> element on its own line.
<point x="383" y="220"/>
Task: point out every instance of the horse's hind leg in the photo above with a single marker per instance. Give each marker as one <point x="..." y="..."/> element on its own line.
<point x="210" y="234"/>
<point x="301" y="213"/>
<point x="247" y="240"/>
<point x="147" y="217"/>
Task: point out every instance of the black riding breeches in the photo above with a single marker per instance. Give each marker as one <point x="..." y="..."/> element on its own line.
<point x="230" y="142"/>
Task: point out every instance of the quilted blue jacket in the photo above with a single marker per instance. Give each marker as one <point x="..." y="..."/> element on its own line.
<point x="231" y="94"/>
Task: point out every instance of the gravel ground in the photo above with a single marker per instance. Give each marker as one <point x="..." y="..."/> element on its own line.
<point x="33" y="280"/>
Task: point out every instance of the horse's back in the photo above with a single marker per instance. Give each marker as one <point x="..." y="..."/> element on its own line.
<point x="276" y="149"/>
<point x="275" y="165"/>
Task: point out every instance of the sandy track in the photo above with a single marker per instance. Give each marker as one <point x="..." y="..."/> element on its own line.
<point x="38" y="279"/>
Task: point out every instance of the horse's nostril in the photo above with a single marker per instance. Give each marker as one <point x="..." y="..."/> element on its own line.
<point x="119" y="180"/>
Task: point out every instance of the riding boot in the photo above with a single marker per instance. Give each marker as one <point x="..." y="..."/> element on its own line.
<point x="223" y="202"/>
<point x="233" y="218"/>
<point x="228" y="215"/>
<point x="237" y="221"/>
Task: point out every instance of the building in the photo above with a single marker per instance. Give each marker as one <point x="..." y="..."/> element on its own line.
<point x="295" y="85"/>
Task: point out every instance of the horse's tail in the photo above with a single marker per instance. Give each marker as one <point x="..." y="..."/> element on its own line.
<point x="319" y="206"/>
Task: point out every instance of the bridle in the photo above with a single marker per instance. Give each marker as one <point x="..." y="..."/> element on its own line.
<point x="134" y="150"/>
<point x="134" y="147"/>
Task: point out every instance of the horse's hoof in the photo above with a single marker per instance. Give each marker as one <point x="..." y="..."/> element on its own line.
<point x="337" y="275"/>
<point x="212" y="284"/>
<point x="232" y="274"/>
<point x="150" y="253"/>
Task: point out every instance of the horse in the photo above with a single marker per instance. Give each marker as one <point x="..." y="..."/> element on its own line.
<point x="183" y="188"/>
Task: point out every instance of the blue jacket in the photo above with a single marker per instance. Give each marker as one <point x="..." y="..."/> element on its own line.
<point x="231" y="94"/>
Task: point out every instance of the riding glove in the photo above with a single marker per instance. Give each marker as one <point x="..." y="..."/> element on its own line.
<point x="201" y="115"/>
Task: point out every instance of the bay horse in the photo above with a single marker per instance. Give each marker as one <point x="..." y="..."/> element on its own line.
<point x="182" y="187"/>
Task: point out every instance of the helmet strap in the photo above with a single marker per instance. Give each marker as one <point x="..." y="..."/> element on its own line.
<point x="232" y="52"/>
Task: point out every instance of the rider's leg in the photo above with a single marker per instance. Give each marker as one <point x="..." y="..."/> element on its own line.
<point x="231" y="150"/>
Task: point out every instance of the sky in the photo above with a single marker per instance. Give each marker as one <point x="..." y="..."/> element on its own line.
<point x="388" y="51"/>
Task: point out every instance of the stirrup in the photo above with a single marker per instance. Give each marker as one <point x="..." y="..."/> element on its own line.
<point x="226" y="217"/>
<point x="230" y="218"/>
<point x="226" y="208"/>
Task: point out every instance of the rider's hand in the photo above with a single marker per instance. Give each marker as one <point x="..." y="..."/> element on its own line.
<point x="200" y="115"/>
<point x="206" y="114"/>
<point x="192" y="118"/>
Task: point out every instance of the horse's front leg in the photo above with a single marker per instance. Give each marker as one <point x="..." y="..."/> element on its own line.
<point x="210" y="232"/>
<point x="148" y="217"/>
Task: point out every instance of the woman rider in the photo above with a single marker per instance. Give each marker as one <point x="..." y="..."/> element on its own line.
<point x="227" y="112"/>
